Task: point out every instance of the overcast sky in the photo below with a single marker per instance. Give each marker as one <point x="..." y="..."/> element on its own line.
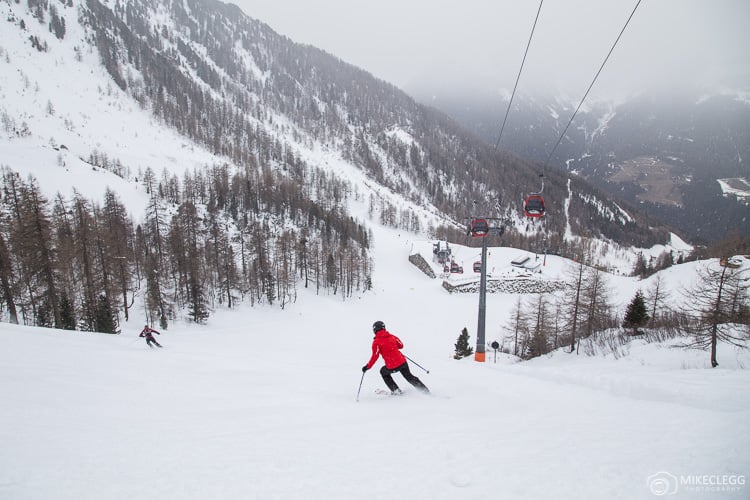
<point x="439" y="44"/>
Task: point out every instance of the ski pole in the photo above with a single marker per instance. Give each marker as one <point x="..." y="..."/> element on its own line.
<point x="422" y="367"/>
<point x="360" y="385"/>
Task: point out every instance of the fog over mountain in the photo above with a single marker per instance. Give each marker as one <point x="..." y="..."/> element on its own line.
<point x="681" y="156"/>
<point x="436" y="47"/>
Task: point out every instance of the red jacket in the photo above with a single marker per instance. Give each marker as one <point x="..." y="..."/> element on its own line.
<point x="388" y="346"/>
<point x="147" y="332"/>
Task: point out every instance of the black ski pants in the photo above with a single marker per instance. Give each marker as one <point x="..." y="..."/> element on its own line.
<point x="152" y="340"/>
<point x="404" y="369"/>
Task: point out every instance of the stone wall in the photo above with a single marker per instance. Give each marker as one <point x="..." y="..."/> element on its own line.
<point x="509" y="286"/>
<point x="422" y="265"/>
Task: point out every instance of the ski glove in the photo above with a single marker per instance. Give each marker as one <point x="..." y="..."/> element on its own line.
<point x="364" y="369"/>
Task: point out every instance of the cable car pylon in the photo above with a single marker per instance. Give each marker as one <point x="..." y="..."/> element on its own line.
<point x="483" y="227"/>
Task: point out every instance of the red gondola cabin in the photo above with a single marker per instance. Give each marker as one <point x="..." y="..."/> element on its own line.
<point x="534" y="205"/>
<point x="479" y="227"/>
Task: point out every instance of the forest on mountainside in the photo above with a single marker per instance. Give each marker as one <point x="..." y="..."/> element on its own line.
<point x="211" y="239"/>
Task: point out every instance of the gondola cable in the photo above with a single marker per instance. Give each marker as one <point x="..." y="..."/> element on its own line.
<point x="534" y="202"/>
<point x="518" y="77"/>
<point x="590" y="86"/>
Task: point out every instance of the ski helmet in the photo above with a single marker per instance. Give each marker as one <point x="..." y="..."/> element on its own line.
<point x="377" y="326"/>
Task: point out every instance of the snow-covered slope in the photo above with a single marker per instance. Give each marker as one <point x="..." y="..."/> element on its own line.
<point x="260" y="403"/>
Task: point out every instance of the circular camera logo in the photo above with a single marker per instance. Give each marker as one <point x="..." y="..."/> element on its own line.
<point x="662" y="483"/>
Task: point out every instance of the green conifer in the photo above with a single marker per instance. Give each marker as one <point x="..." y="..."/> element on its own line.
<point x="462" y="345"/>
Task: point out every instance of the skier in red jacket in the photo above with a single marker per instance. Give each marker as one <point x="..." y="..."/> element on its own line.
<point x="149" y="334"/>
<point x="387" y="345"/>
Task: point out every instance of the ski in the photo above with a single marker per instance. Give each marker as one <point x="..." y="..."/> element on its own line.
<point x="383" y="392"/>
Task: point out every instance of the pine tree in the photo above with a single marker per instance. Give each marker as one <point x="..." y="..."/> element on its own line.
<point x="586" y="308"/>
<point x="155" y="260"/>
<point x="67" y="314"/>
<point x="184" y="237"/>
<point x="517" y="324"/>
<point x="197" y="306"/>
<point x="596" y="306"/>
<point x="156" y="306"/>
<point x="462" y="345"/>
<point x="37" y="229"/>
<point x="119" y="238"/>
<point x="636" y="314"/>
<point x="539" y="342"/>
<point x="657" y="296"/>
<point x="331" y="277"/>
<point x="270" y="287"/>
<point x="6" y="280"/>
<point x="640" y="268"/>
<point x="83" y="232"/>
<point x="105" y="318"/>
<point x="573" y="304"/>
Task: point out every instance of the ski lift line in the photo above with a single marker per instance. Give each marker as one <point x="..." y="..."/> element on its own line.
<point x="523" y="61"/>
<point x="591" y="85"/>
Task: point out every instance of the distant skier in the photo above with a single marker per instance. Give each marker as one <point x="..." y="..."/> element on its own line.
<point x="387" y="345"/>
<point x="148" y="333"/>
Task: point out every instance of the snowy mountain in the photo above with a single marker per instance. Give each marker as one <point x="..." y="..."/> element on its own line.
<point x="680" y="156"/>
<point x="233" y="88"/>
